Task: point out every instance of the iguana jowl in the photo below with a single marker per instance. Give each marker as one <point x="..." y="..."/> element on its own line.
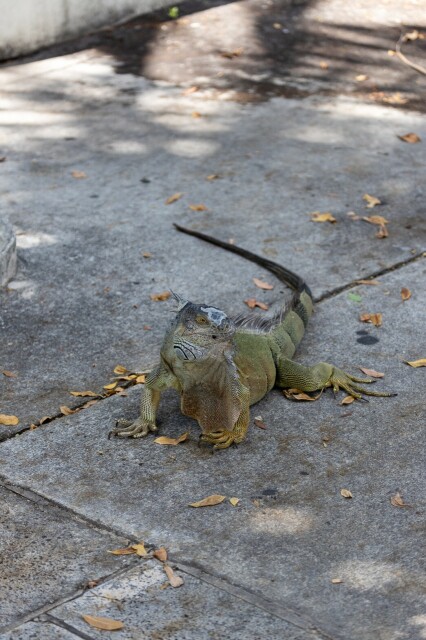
<point x="221" y="365"/>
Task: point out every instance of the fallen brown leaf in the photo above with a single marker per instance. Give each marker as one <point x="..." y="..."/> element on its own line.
<point x="353" y="215"/>
<point x="196" y="114"/>
<point x="173" y="198"/>
<point x="107" y="624"/>
<point x="371" y="201"/>
<point x="252" y="303"/>
<point x="160" y="554"/>
<point x="140" y="379"/>
<point x="88" y="404"/>
<point x="258" y="421"/>
<point x="9" y="374"/>
<point x="411" y="138"/>
<point x="210" y="501"/>
<point x="262" y="285"/>
<point x="127" y="551"/>
<point x="347" y="400"/>
<point x="147" y="254"/>
<point x="234" y="501"/>
<point x="296" y="394"/>
<point x="405" y="294"/>
<point x="120" y="370"/>
<point x="158" y="297"/>
<point x="66" y="411"/>
<point x="44" y="419"/>
<point x="371" y="372"/>
<point x="172" y="441"/>
<point x="8" y="421"/>
<point x="373" y="318"/>
<point x="232" y="54"/>
<point x="345" y="493"/>
<point x="139" y="549"/>
<point x="110" y="386"/>
<point x="317" y="216"/>
<point x="198" y="207"/>
<point x="416" y="363"/>
<point x="84" y="394"/>
<point x="213" y="176"/>
<point x="79" y="175"/>
<point x="361" y="77"/>
<point x="336" y="580"/>
<point x="368" y="282"/>
<point x="397" y="501"/>
<point x="175" y="581"/>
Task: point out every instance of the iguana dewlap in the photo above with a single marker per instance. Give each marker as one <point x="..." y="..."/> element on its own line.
<point x="221" y="366"/>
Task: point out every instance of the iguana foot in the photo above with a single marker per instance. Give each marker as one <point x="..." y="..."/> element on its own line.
<point x="128" y="429"/>
<point x="341" y="380"/>
<point x="220" y="439"/>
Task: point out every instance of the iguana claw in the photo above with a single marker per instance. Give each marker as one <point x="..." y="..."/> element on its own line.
<point x="341" y="380"/>
<point x="128" y="429"/>
<point x="219" y="439"/>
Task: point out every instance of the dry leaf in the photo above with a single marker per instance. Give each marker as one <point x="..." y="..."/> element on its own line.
<point x="397" y="501"/>
<point x="323" y="64"/>
<point x="353" y="215"/>
<point x="296" y="394"/>
<point x="107" y="624"/>
<point x="371" y="373"/>
<point x="210" y="501"/>
<point x="391" y="52"/>
<point x="140" y="379"/>
<point x="371" y="201"/>
<point x="405" y="293"/>
<point x="88" y="404"/>
<point x="173" y="198"/>
<point x="393" y="98"/>
<point x="158" y="297"/>
<point x="173" y="441"/>
<point x="66" y="411"/>
<point x="416" y="363"/>
<point x="44" y="419"/>
<point x="84" y="394"/>
<point x="380" y="220"/>
<point x="382" y="232"/>
<point x="336" y="580"/>
<point x="413" y="35"/>
<point x="78" y="175"/>
<point x="8" y="420"/>
<point x="252" y="303"/>
<point x="361" y="77"/>
<point x="139" y="549"/>
<point x="411" y="138"/>
<point x="160" y="554"/>
<point x="347" y="400"/>
<point x="213" y="176"/>
<point x="127" y="551"/>
<point x="373" y="318"/>
<point x="9" y="374"/>
<point x="196" y="114"/>
<point x="120" y="370"/>
<point x="262" y="285"/>
<point x="368" y="282"/>
<point x="232" y="54"/>
<point x="258" y="421"/>
<point x="175" y="581"/>
<point x="317" y="216"/>
<point x="110" y="386"/>
<point x="198" y="207"/>
<point x="345" y="493"/>
<point x="234" y="501"/>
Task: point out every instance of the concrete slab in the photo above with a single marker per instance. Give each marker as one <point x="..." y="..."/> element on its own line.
<point x="7" y="252"/>
<point x="80" y="302"/>
<point x="43" y="546"/>
<point x="292" y="533"/>
<point x="149" y="608"/>
<point x="39" y="631"/>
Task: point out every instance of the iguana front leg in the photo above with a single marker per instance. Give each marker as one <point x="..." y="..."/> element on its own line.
<point x="223" y="438"/>
<point x="321" y="376"/>
<point x="158" y="380"/>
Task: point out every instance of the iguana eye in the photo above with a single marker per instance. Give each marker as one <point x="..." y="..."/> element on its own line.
<point x="201" y="320"/>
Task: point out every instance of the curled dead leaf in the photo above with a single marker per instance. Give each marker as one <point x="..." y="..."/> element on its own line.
<point x="66" y="411"/>
<point x="213" y="176"/>
<point x="234" y="501"/>
<point x="173" y="198"/>
<point x="397" y="501"/>
<point x="336" y="580"/>
<point x="380" y="220"/>
<point x="8" y="421"/>
<point x="296" y="394"/>
<point x="107" y="624"/>
<point x="371" y="201"/>
<point x="160" y="554"/>
<point x="110" y="386"/>
<point x="158" y="297"/>
<point x="120" y="370"/>
<point x="9" y="374"/>
<point x="139" y="549"/>
<point x="258" y="421"/>
<point x="84" y="394"/>
<point x="140" y="379"/>
<point x="371" y="372"/>
<point x="79" y="175"/>
<point x="198" y="207"/>
<point x="368" y="282"/>
<point x="373" y="318"/>
<point x="252" y="303"/>
<point x="210" y="501"/>
<point x="416" y="363"/>
<point x="411" y="138"/>
<point x="172" y="441"/>
<point x="262" y="284"/>
<point x="347" y="400"/>
<point x="232" y="54"/>
<point x="405" y="294"/>
<point x="127" y="551"/>
<point x="345" y="493"/>
<point x="317" y="216"/>
<point x="175" y="581"/>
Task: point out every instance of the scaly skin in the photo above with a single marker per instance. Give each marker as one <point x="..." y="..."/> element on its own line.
<point x="222" y="366"/>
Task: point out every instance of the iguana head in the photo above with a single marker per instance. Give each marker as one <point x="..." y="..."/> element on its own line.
<point x="200" y="331"/>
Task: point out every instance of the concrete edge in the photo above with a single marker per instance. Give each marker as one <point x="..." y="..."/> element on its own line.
<point x="8" y="256"/>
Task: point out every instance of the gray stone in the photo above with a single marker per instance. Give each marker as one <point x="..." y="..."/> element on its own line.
<point x="8" y="260"/>
<point x="292" y="532"/>
<point x="39" y="631"/>
<point x="42" y="547"/>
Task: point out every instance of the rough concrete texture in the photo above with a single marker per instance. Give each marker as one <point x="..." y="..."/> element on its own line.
<point x="7" y="253"/>
<point x="93" y="152"/>
<point x="37" y="630"/>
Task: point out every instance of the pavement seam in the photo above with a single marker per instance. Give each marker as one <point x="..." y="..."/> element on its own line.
<point x="376" y="274"/>
<point x="47" y="617"/>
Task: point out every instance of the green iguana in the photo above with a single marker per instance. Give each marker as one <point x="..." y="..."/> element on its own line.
<point x="221" y="366"/>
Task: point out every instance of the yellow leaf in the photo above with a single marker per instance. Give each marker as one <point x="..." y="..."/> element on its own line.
<point x="198" y="207"/>
<point x="397" y="501"/>
<point x="66" y="411"/>
<point x="234" y="501"/>
<point x="252" y="303"/>
<point x="210" y="501"/>
<point x="371" y="372"/>
<point x="140" y="379"/>
<point x="175" y="581"/>
<point x="213" y="176"/>
<point x="157" y="297"/>
<point x="347" y="400"/>
<point x="411" y="138"/>
<point x="123" y="552"/>
<point x="173" y="441"/>
<point x="317" y="216"/>
<point x="8" y="420"/>
<point x="84" y="394"/>
<point x="160" y="554"/>
<point x="380" y="220"/>
<point x="373" y="318"/>
<point x="371" y="201"/>
<point x="345" y="493"/>
<point x="173" y="198"/>
<point x="336" y="581"/>
<point x="361" y="77"/>
<point x="9" y="374"/>
<point x="120" y="370"/>
<point x="140" y="549"/>
<point x="416" y="363"/>
<point x="405" y="294"/>
<point x="262" y="285"/>
<point x="110" y="386"/>
<point x="107" y="624"/>
<point x="78" y="174"/>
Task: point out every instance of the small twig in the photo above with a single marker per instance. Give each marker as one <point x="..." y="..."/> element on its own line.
<point x="403" y="58"/>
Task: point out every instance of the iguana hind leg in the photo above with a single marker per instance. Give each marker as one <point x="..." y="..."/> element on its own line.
<point x="321" y="376"/>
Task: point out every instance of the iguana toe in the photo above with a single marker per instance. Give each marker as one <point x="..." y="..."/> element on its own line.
<point x="128" y="429"/>
<point x="220" y="439"/>
<point x="341" y="380"/>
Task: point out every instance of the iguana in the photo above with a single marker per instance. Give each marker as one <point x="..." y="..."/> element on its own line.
<point x="221" y="366"/>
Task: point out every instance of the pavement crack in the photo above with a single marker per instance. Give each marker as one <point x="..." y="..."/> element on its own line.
<point x="64" y="625"/>
<point x="376" y="274"/>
